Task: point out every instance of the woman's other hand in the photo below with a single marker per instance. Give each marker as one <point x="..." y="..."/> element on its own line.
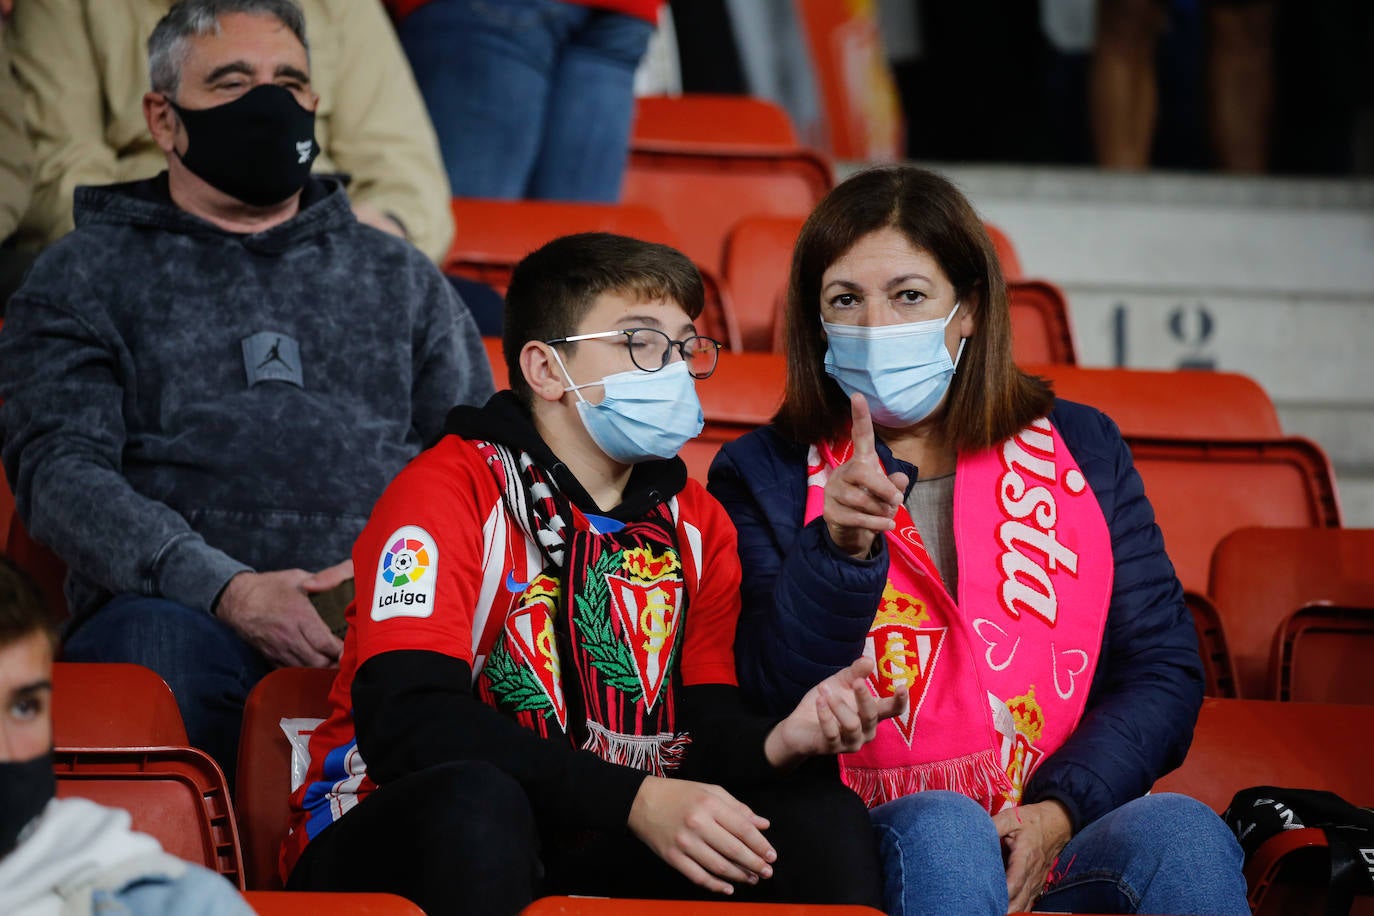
<point x="1032" y="837"/>
<point x="860" y="500"/>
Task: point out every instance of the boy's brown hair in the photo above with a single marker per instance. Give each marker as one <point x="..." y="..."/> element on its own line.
<point x="555" y="286"/>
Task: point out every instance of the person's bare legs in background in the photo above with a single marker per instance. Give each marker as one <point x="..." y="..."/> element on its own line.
<point x="1123" y="93"/>
<point x="1240" y="83"/>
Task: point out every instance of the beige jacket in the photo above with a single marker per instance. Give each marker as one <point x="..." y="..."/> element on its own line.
<point x="83" y="65"/>
<point x="16" y="154"/>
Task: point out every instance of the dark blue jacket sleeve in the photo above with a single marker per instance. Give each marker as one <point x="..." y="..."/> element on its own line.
<point x="1147" y="689"/>
<point x="806" y="606"/>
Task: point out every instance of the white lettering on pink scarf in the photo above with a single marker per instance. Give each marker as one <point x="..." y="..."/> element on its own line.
<point x="1028" y="531"/>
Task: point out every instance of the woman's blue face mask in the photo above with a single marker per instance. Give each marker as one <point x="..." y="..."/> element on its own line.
<point x="903" y="370"/>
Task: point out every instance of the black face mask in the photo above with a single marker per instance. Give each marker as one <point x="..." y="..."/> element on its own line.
<point x="26" y="786"/>
<point x="257" y="148"/>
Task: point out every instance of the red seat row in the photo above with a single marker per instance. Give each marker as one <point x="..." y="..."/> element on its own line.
<point x="177" y="794"/>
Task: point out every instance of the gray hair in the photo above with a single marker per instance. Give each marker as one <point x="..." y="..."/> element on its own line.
<point x="168" y="45"/>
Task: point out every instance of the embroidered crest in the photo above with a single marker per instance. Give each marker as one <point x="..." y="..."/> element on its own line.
<point x="646" y="607"/>
<point x="531" y="639"/>
<point x="1024" y="756"/>
<point x="904" y="653"/>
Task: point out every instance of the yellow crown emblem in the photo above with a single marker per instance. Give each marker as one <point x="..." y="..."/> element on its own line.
<point x="643" y="564"/>
<point x="542" y="586"/>
<point x="1026" y="712"/>
<point x="899" y="607"/>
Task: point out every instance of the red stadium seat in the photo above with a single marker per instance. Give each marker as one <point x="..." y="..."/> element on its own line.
<point x="604" y="906"/>
<point x="263" y="784"/>
<point x="1321" y="654"/>
<point x="1006" y="253"/>
<point x="175" y="794"/>
<point x="758" y="256"/>
<point x="494" y="235"/>
<point x="1040" y="329"/>
<point x="99" y="704"/>
<point x="310" y="903"/>
<point x="1242" y="743"/>
<point x="742" y="394"/>
<point x="1202" y="490"/>
<point x="705" y="121"/>
<point x="1218" y="666"/>
<point x="1259" y="576"/>
<point x="498" y="362"/>
<point x="1179" y="403"/>
<point x="705" y="183"/>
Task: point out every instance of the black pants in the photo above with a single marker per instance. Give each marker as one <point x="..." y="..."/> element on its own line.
<point x="461" y="838"/>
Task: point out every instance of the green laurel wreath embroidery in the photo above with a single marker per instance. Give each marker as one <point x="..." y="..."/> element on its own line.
<point x="608" y="655"/>
<point x="515" y="686"/>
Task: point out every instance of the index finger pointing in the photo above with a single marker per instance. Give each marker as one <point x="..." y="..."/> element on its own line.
<point x="861" y="430"/>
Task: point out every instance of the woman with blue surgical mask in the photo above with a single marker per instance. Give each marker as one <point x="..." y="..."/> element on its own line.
<point x="921" y="501"/>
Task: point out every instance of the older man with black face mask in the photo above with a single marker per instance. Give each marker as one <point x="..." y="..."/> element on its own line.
<point x="71" y="856"/>
<point x="209" y="382"/>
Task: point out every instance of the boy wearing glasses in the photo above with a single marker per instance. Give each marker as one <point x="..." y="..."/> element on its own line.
<point x="537" y="692"/>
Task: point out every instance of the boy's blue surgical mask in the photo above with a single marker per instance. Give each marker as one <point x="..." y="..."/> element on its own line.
<point x="903" y="370"/>
<point x="644" y="415"/>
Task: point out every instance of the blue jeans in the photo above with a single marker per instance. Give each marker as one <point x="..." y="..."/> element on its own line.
<point x="209" y="668"/>
<point x="1158" y="854"/>
<point x="530" y="98"/>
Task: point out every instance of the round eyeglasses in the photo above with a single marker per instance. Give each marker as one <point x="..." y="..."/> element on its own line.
<point x="651" y="349"/>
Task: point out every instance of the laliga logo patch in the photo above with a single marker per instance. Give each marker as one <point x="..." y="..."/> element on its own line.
<point x="406" y="571"/>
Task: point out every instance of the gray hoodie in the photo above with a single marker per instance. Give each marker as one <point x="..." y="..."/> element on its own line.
<point x="182" y="403"/>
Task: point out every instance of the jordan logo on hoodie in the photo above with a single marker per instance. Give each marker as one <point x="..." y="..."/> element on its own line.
<point x="272" y="357"/>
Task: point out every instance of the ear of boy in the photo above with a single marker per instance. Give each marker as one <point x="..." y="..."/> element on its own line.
<point x="541" y="371"/>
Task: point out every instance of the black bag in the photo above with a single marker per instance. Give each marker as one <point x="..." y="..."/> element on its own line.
<point x="1261" y="812"/>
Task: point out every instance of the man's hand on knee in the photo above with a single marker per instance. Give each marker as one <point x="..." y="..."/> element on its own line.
<point x="273" y="613"/>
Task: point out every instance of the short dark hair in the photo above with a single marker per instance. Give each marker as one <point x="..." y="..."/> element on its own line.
<point x="989" y="399"/>
<point x="554" y="287"/>
<point x="167" y="45"/>
<point x="21" y="606"/>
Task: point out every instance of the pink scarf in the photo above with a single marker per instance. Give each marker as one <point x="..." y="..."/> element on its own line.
<point x="999" y="681"/>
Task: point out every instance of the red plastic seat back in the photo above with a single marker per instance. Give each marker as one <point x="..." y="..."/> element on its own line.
<point x="319" y="903"/>
<point x="177" y="795"/>
<point x="263" y="785"/>
<point x="1259" y="576"/>
<point x="758" y="257"/>
<point x="1322" y="653"/>
<point x="1006" y="253"/>
<point x="703" y="193"/>
<point x="492" y="236"/>
<point x="702" y="120"/>
<point x="602" y="906"/>
<point x="100" y="704"/>
<point x="1040" y="330"/>
<point x="1202" y="490"/>
<point x="1181" y="403"/>
<point x="742" y="394"/>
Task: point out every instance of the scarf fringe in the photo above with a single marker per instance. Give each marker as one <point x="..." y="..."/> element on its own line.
<point x="979" y="776"/>
<point x="656" y="755"/>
